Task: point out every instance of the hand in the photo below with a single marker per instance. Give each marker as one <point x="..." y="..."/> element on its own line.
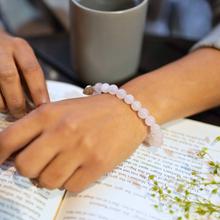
<point x="17" y="56"/>
<point x="73" y="142"/>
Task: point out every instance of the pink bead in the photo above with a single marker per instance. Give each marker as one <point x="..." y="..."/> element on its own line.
<point x="150" y="120"/>
<point x="121" y="93"/>
<point x="129" y="99"/>
<point x="105" y="87"/>
<point x="151" y="141"/>
<point x="113" y="89"/>
<point x="143" y="113"/>
<point x="136" y="106"/>
<point x="158" y="143"/>
<point x="158" y="136"/>
<point x="155" y="128"/>
<point x="154" y="142"/>
<point x="97" y="87"/>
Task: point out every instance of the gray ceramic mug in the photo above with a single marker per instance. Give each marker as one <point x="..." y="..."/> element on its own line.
<point x="106" y="38"/>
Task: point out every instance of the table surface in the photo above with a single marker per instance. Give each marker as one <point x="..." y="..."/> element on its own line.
<point x="54" y="55"/>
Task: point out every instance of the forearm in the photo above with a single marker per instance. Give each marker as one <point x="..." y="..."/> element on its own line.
<point x="182" y="88"/>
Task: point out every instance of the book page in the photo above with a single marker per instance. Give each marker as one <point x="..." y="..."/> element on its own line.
<point x="19" y="198"/>
<point x="126" y="192"/>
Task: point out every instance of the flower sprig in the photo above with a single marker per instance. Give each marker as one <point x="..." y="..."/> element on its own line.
<point x="188" y="197"/>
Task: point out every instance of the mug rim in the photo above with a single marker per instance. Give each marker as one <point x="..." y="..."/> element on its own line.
<point x="109" y="12"/>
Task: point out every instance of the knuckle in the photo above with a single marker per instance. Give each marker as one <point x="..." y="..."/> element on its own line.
<point x="45" y="113"/>
<point x="67" y="126"/>
<point x="17" y="105"/>
<point x="44" y="110"/>
<point x="98" y="158"/>
<point x="55" y="177"/>
<point x="87" y="143"/>
<point x="47" y="182"/>
<point x="8" y="75"/>
<point x="17" y="41"/>
<point x="73" y="188"/>
<point x="22" y="167"/>
<point x="39" y="92"/>
<point x="31" y="68"/>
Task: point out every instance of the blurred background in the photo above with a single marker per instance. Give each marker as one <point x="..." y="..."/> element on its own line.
<point x="172" y="27"/>
<point x="190" y="19"/>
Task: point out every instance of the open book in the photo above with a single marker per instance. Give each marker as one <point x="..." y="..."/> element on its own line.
<point x="123" y="194"/>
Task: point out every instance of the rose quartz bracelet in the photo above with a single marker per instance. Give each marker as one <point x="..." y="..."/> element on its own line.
<point x="155" y="138"/>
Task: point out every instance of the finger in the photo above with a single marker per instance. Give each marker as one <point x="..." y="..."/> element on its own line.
<point x="32" y="72"/>
<point x="60" y="170"/>
<point x="10" y="86"/>
<point x="82" y="178"/>
<point x="19" y="134"/>
<point x="36" y="156"/>
<point x="3" y="106"/>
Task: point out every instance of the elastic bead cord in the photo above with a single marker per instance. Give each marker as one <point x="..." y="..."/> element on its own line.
<point x="155" y="138"/>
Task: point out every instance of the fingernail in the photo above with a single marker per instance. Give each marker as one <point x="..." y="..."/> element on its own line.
<point x="62" y="188"/>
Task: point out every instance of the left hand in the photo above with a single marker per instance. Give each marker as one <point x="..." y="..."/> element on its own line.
<point x="18" y="63"/>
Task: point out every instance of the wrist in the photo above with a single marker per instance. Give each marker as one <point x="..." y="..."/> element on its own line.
<point x="133" y="124"/>
<point x="146" y="95"/>
<point x="156" y="136"/>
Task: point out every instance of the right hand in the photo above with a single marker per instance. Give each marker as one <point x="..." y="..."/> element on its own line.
<point x="73" y="142"/>
<point x="16" y="56"/>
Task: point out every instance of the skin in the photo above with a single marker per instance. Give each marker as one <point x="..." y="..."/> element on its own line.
<point x="17" y="56"/>
<point x="74" y="142"/>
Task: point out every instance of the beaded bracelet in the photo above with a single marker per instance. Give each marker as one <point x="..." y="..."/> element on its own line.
<point x="155" y="138"/>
